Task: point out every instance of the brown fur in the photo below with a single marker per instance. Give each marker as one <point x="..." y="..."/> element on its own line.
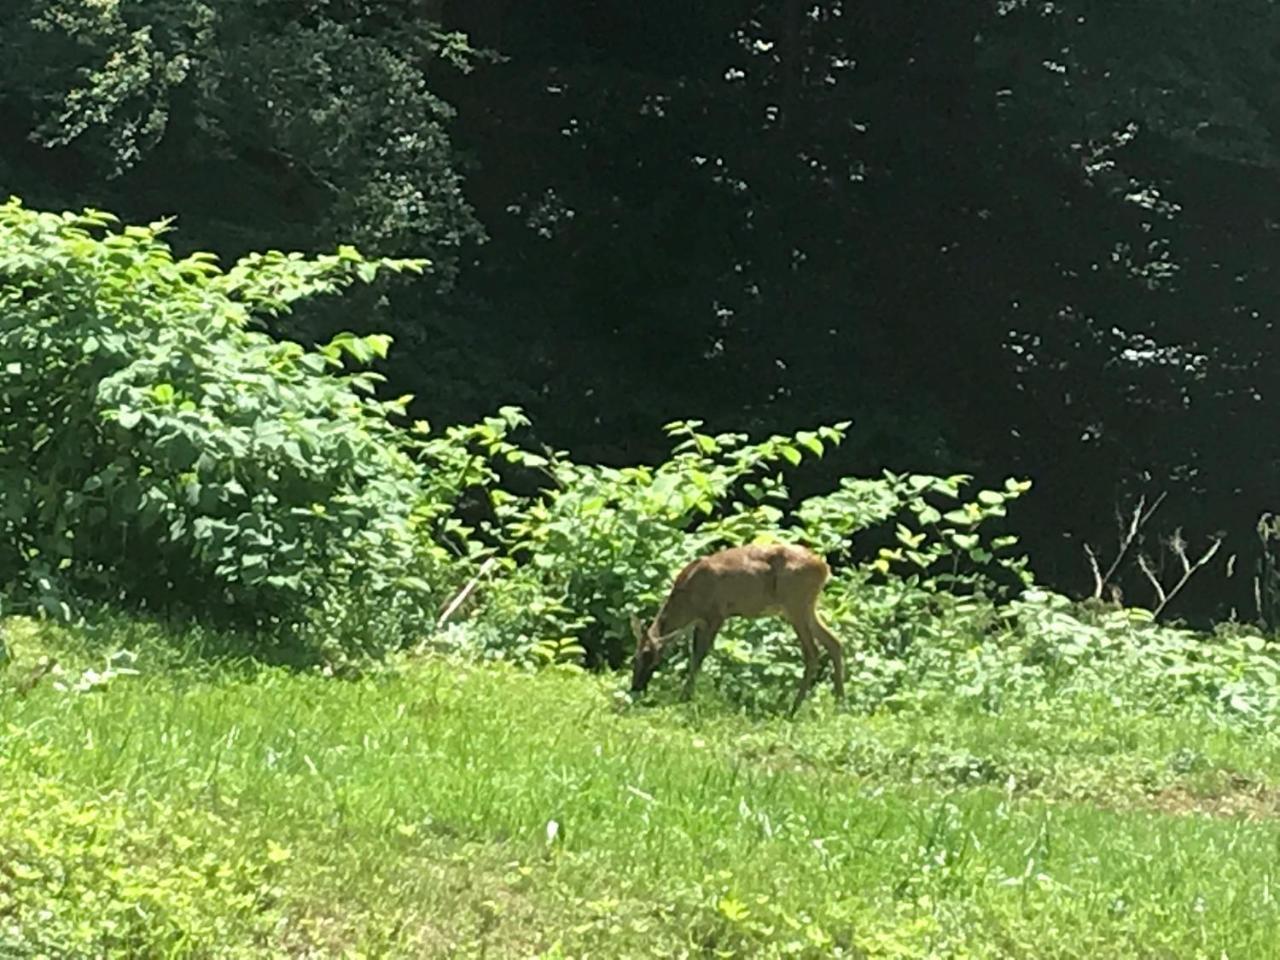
<point x="756" y="580"/>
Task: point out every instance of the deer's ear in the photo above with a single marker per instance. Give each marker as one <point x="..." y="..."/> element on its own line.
<point x="637" y="628"/>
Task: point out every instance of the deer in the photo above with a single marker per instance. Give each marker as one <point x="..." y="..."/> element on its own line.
<point x="757" y="580"/>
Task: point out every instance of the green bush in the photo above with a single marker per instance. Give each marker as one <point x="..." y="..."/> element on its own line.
<point x="602" y="543"/>
<point x="157" y="448"/>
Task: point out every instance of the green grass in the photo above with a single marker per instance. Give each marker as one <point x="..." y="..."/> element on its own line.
<point x="215" y="810"/>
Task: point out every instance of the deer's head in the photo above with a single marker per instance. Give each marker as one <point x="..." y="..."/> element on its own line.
<point x="650" y="646"/>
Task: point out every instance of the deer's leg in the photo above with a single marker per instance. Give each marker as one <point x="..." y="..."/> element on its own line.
<point x="704" y="635"/>
<point x="834" y="650"/>
<point x="811" y="662"/>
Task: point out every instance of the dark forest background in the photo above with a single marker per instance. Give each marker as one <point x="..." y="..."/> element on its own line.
<point x="1002" y="237"/>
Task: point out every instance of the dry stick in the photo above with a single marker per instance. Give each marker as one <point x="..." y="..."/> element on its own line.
<point x="1136" y="523"/>
<point x="1097" y="574"/>
<point x="1154" y="507"/>
<point x="1126" y="540"/>
<point x="1155" y="582"/>
<point x="1188" y="569"/>
<point x="465" y="592"/>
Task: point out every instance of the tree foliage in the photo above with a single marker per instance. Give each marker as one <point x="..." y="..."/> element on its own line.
<point x="998" y="235"/>
<point x="292" y="125"/>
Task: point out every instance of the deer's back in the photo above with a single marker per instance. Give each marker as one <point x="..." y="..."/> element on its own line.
<point x="753" y="580"/>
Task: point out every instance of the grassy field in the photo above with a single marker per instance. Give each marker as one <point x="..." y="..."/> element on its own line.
<point x="459" y="810"/>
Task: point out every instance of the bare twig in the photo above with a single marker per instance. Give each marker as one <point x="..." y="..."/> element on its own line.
<point x="1126" y="538"/>
<point x="1128" y="534"/>
<point x="1145" y="565"/>
<point x="1098" y="582"/>
<point x="1179" y="547"/>
<point x="1154" y="507"/>
<point x="1136" y="523"/>
<point x="465" y="592"/>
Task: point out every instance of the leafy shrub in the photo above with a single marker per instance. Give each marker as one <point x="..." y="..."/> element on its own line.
<point x="1125" y="655"/>
<point x="602" y="543"/>
<point x="949" y="610"/>
<point x="156" y="448"/>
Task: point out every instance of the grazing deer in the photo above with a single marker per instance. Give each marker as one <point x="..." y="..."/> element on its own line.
<point x="753" y="581"/>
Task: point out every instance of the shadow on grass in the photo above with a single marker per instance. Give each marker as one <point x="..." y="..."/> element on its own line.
<point x="158" y="643"/>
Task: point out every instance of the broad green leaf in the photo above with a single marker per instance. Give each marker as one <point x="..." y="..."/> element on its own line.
<point x="928" y="515"/>
<point x="811" y="441"/>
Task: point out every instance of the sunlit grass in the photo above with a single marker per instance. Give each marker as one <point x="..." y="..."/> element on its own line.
<point x="451" y="810"/>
